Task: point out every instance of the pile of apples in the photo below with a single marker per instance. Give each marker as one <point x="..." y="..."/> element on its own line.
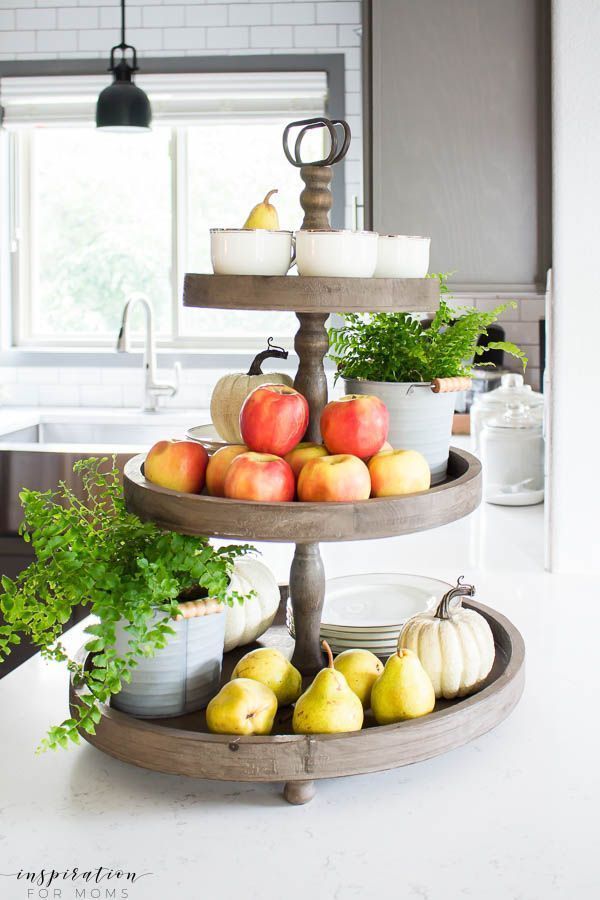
<point x="336" y="700"/>
<point x="354" y="462"/>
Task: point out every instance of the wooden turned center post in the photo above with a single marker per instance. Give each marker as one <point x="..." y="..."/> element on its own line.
<point x="307" y="592"/>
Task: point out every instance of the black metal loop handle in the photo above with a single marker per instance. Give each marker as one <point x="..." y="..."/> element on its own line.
<point x="336" y="152"/>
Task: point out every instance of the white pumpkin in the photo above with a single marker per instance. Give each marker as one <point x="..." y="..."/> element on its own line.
<point x="231" y="390"/>
<point x="455" y="645"/>
<point x="247" y="621"/>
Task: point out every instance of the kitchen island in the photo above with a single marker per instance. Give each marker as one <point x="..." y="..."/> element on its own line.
<point x="507" y="816"/>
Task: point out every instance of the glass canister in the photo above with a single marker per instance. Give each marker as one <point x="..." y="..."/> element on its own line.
<point x="512" y="392"/>
<point x="512" y="456"/>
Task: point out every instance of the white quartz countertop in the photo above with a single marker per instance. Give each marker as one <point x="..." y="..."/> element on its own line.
<point x="511" y="816"/>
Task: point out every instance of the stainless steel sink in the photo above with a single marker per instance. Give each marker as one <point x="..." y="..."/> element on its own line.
<point x="39" y="449"/>
<point x="46" y="435"/>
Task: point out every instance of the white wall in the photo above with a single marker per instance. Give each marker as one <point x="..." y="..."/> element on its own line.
<point x="575" y="390"/>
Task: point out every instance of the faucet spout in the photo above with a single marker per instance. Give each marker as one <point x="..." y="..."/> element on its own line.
<point x="152" y="389"/>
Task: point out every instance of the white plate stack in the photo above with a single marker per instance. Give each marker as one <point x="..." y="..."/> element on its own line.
<point x="368" y="611"/>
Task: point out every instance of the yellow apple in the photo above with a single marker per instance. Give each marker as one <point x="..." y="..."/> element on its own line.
<point x="396" y="472"/>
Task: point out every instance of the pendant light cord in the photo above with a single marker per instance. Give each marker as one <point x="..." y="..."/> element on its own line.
<point x="123" y="44"/>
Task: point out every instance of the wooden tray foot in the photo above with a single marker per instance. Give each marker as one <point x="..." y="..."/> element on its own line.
<point x="299" y="792"/>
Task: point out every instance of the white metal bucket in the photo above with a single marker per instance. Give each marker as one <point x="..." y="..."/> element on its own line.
<point x="180" y="678"/>
<point x="419" y="419"/>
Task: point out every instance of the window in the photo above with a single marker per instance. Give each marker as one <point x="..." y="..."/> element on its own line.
<point x="96" y="216"/>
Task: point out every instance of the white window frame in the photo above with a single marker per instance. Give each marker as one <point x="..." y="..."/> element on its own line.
<point x="20" y="234"/>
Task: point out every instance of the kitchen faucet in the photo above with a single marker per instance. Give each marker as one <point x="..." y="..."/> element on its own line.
<point x="152" y="389"/>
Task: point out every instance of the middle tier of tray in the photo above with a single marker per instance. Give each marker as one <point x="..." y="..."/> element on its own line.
<point x="304" y="523"/>
<point x="311" y="294"/>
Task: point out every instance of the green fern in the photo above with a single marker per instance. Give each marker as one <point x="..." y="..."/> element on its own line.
<point x="397" y="347"/>
<point x="95" y="553"/>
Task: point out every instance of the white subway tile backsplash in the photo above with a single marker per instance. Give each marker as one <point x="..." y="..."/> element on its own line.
<point x="163" y="16"/>
<point x="52" y="41"/>
<point x="321" y="36"/>
<point x="183" y="38"/>
<point x="110" y="17"/>
<point x="133" y="378"/>
<point x="212" y="15"/>
<point x="59" y="395"/>
<point x="533" y="309"/>
<point x="7" y="19"/>
<point x="22" y="395"/>
<point x="86" y="17"/>
<point x="521" y="332"/>
<point x="349" y="35"/>
<point x="246" y="14"/>
<point x="17" y="41"/>
<point x="36" y="18"/>
<point x="280" y="36"/>
<point x="79" y="375"/>
<point x="101" y="395"/>
<point x="36" y="375"/>
<point x="338" y="13"/>
<point x="294" y="13"/>
<point x="8" y="374"/>
<point x="227" y="38"/>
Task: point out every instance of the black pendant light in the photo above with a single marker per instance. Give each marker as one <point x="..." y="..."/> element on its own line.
<point x="123" y="106"/>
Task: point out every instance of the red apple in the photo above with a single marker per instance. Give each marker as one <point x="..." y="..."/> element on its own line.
<point x="273" y="419"/>
<point x="356" y="424"/>
<point x="218" y="465"/>
<point x="396" y="472"/>
<point x="178" y="465"/>
<point x="302" y="453"/>
<point x="259" y="476"/>
<point x="334" y="478"/>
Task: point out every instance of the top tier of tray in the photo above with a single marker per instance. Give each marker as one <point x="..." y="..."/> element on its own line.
<point x="311" y="294"/>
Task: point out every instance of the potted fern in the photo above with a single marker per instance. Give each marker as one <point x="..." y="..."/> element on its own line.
<point x="395" y="356"/>
<point x="135" y="579"/>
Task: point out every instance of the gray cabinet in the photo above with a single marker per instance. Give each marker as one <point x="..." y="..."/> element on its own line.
<point x="459" y="109"/>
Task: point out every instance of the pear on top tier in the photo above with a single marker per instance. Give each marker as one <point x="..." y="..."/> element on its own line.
<point x="264" y="215"/>
<point x="328" y="705"/>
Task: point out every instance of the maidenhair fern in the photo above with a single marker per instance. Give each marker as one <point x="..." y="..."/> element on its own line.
<point x="398" y="347"/>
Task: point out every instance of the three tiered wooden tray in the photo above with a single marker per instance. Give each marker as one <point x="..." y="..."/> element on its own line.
<point x="184" y="746"/>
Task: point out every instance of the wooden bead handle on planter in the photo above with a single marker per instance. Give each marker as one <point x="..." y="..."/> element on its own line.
<point x="447" y="385"/>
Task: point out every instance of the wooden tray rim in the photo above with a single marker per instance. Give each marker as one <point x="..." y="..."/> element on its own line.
<point x="302" y="293"/>
<point x="135" y="483"/>
<point x="511" y="676"/>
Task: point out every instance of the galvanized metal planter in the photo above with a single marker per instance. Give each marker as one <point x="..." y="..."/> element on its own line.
<point x="419" y="419"/>
<point x="180" y="678"/>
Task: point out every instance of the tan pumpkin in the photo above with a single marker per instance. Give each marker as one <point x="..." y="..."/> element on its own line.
<point x="231" y="390"/>
<point x="455" y="645"/>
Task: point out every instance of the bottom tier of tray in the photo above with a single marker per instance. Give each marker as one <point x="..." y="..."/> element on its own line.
<point x="183" y="746"/>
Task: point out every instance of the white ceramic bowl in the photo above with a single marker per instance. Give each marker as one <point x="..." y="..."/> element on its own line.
<point x="241" y="251"/>
<point x="402" y="256"/>
<point x="336" y="254"/>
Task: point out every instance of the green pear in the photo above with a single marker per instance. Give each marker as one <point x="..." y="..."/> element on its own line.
<point x="361" y="669"/>
<point x="270" y="667"/>
<point x="403" y="690"/>
<point x="328" y="706"/>
<point x="242" y="706"/>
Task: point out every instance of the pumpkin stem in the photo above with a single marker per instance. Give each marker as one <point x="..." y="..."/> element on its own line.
<point x="272" y="351"/>
<point x="327" y="650"/>
<point x="461" y="590"/>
